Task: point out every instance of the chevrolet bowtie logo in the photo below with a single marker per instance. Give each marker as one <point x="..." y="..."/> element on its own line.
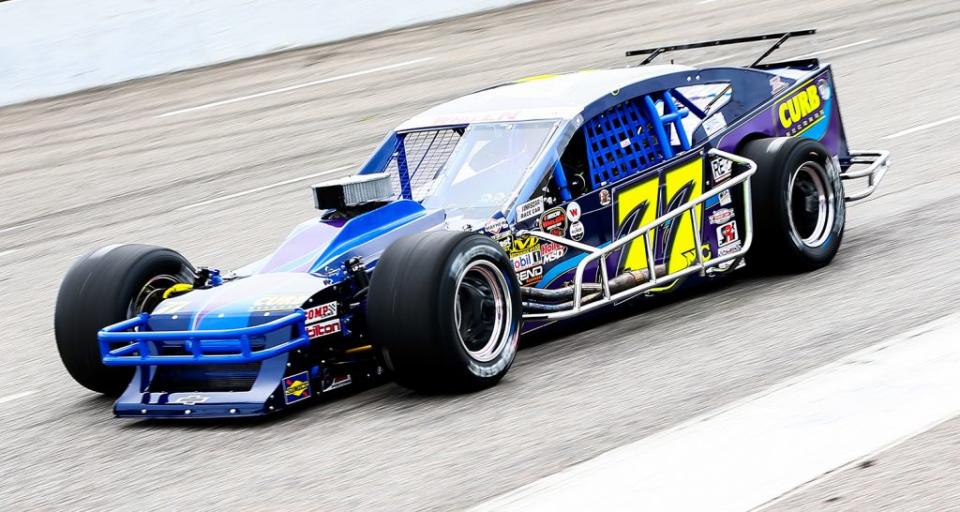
<point x="191" y="400"/>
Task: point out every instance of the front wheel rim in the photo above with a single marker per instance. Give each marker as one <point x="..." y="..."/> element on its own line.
<point x="482" y="312"/>
<point x="810" y="204"/>
<point x="150" y="294"/>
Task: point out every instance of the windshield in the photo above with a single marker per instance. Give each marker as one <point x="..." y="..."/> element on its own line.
<point x="473" y="168"/>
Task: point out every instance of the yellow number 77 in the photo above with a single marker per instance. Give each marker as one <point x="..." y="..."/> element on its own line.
<point x="640" y="203"/>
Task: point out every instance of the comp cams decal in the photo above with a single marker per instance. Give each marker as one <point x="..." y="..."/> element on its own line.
<point x="321" y="312"/>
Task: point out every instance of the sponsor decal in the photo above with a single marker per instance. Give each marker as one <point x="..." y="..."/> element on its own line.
<point x="823" y="86"/>
<point x="801" y="110"/>
<point x="495" y="226"/>
<point x="277" y="302"/>
<point x="576" y="231"/>
<point x="190" y="400"/>
<point x="321" y="312"/>
<point x="605" y="197"/>
<point x="720" y="216"/>
<point x="554" y="221"/>
<point x="530" y="276"/>
<point x="338" y="382"/>
<point x="523" y="245"/>
<point x="296" y="387"/>
<point x="530" y="209"/>
<point x="573" y="212"/>
<point x="714" y="124"/>
<point x="777" y="84"/>
<point x="721" y="169"/>
<point x="527" y="260"/>
<point x="551" y="251"/>
<point x="322" y="329"/>
<point x="505" y="240"/>
<point x="730" y="249"/>
<point x="727" y="234"/>
<point x="724" y="198"/>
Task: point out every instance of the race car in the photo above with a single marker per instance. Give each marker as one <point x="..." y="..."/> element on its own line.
<point x="481" y="219"/>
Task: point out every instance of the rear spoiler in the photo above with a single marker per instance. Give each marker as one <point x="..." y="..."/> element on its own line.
<point x="781" y="37"/>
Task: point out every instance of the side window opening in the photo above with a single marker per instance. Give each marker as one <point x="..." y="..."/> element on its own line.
<point x="418" y="159"/>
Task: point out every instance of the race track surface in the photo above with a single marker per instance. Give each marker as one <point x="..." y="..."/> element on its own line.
<point x="224" y="183"/>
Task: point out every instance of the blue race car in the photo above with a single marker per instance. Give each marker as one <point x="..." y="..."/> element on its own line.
<point x="476" y="221"/>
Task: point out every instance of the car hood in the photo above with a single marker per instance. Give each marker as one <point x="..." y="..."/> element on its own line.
<point x="320" y="246"/>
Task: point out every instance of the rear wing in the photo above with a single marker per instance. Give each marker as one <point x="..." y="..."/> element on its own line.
<point x="781" y="37"/>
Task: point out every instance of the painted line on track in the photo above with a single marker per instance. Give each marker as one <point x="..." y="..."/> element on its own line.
<point x="18" y="396"/>
<point x="260" y="189"/>
<point x="294" y="87"/>
<point x="922" y="127"/>
<point x="832" y="49"/>
<point x="8" y="251"/>
<point x="756" y="450"/>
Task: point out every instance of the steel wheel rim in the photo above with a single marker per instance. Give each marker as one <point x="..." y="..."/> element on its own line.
<point x="810" y="204"/>
<point x="482" y="313"/>
<point x="150" y="294"/>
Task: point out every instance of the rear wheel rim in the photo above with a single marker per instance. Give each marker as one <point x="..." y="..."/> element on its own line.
<point x="482" y="312"/>
<point x="810" y="204"/>
<point x="150" y="294"/>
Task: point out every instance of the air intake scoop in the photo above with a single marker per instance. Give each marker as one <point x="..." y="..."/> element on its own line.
<point x="353" y="191"/>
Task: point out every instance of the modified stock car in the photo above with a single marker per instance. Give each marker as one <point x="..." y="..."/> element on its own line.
<point x="475" y="221"/>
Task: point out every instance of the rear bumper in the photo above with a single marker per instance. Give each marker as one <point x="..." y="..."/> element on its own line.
<point x="877" y="162"/>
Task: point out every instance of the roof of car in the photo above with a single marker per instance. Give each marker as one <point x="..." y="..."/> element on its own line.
<point x="561" y="96"/>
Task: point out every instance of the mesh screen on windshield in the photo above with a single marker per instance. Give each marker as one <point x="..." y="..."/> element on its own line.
<point x="421" y="155"/>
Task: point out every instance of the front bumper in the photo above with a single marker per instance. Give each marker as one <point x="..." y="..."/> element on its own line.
<point x="261" y="356"/>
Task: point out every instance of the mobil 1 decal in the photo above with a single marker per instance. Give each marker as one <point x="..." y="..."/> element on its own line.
<point x="640" y="202"/>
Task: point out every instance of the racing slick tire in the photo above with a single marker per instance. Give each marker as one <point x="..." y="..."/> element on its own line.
<point x="104" y="287"/>
<point x="798" y="205"/>
<point x="444" y="306"/>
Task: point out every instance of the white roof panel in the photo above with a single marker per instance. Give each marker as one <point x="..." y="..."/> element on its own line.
<point x="543" y="97"/>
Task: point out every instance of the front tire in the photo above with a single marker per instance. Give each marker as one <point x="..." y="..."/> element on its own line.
<point x="105" y="287"/>
<point x="798" y="206"/>
<point x="445" y="308"/>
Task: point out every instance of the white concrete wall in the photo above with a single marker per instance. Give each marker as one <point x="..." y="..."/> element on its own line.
<point x="51" y="47"/>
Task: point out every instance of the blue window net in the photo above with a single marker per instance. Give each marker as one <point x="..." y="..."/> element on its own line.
<point x="633" y="136"/>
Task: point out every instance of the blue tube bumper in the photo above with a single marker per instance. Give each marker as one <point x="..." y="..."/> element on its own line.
<point x="201" y="347"/>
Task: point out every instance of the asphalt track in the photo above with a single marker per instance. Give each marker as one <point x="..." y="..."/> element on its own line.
<point x="140" y="163"/>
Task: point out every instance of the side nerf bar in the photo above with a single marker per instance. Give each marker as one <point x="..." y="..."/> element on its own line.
<point x="652" y="278"/>
<point x="136" y="350"/>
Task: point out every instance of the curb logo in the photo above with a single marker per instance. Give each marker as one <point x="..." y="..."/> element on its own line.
<point x="801" y="110"/>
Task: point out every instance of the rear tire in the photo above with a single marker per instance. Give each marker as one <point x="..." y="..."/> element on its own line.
<point x="445" y="308"/>
<point x="798" y="205"/>
<point x="105" y="287"/>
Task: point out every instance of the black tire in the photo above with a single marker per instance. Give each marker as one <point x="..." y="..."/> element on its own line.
<point x="99" y="290"/>
<point x="792" y="176"/>
<point x="412" y="309"/>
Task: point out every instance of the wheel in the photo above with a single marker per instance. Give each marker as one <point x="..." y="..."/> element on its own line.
<point x="798" y="205"/>
<point x="444" y="306"/>
<point x="105" y="287"/>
